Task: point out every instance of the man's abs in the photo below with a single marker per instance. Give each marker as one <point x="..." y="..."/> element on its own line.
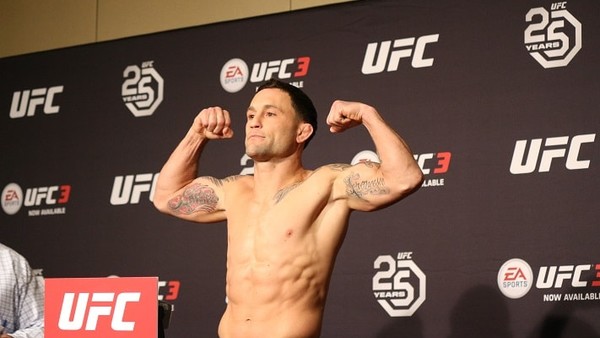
<point x="279" y="297"/>
<point x="289" y="323"/>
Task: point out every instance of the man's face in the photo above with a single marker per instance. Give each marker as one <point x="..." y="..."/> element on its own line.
<point x="271" y="126"/>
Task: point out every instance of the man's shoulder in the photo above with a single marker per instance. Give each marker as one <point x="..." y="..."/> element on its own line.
<point x="330" y="169"/>
<point x="327" y="172"/>
<point x="237" y="181"/>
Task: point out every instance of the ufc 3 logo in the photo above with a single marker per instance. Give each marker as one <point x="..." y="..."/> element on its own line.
<point x="284" y="69"/>
<point x="554" y="147"/>
<point x="390" y="53"/>
<point x="48" y="195"/>
<point x="24" y="103"/>
<point x="111" y="307"/>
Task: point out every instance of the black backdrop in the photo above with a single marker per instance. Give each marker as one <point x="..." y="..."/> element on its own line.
<point x="499" y="102"/>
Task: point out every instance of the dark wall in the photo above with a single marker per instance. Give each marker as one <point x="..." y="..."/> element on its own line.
<point x="498" y="101"/>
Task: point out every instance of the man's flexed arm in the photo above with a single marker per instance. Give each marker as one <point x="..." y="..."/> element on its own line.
<point x="178" y="190"/>
<point x="370" y="186"/>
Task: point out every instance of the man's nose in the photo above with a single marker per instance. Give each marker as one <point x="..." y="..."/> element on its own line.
<point x="255" y="122"/>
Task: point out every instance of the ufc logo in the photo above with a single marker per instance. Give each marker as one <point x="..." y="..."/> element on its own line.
<point x="283" y="69"/>
<point x="111" y="307"/>
<point x="554" y="147"/>
<point x="128" y="189"/>
<point x="25" y="103"/>
<point x="391" y="52"/>
<point x="554" y="276"/>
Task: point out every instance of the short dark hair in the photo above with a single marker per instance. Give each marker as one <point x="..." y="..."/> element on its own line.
<point x="300" y="102"/>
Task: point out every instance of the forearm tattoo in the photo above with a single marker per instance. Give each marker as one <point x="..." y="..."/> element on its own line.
<point x="195" y="198"/>
<point x="361" y="188"/>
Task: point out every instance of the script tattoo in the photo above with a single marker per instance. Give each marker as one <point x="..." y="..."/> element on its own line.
<point x="361" y="188"/>
<point x="195" y="198"/>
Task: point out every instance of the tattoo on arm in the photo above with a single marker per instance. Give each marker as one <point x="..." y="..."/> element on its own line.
<point x="195" y="198"/>
<point x="370" y="163"/>
<point x="361" y="188"/>
<point x="215" y="181"/>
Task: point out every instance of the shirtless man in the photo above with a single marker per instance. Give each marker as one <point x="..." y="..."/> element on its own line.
<point x="285" y="223"/>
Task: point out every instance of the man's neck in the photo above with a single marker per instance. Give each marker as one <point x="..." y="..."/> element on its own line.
<point x="272" y="176"/>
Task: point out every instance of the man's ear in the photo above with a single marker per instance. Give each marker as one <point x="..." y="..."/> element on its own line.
<point x="304" y="132"/>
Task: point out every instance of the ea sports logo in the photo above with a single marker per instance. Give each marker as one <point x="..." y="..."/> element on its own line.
<point x="12" y="198"/>
<point x="234" y="75"/>
<point x="515" y="278"/>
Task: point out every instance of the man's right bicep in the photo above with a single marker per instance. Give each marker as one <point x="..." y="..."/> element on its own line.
<point x="199" y="200"/>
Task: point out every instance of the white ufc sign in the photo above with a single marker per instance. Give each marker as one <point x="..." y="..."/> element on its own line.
<point x="70" y="320"/>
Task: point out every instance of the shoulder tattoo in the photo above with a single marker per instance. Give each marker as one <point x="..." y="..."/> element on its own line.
<point x="219" y="182"/>
<point x="338" y="166"/>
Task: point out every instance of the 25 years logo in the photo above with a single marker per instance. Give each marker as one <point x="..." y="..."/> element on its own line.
<point x="399" y="284"/>
<point x="553" y="38"/>
<point x="143" y="89"/>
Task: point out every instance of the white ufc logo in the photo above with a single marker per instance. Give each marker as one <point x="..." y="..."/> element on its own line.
<point x="526" y="161"/>
<point x="24" y="103"/>
<point x="390" y="52"/>
<point x="95" y="311"/>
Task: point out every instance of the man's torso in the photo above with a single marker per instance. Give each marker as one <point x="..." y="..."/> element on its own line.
<point x="280" y="255"/>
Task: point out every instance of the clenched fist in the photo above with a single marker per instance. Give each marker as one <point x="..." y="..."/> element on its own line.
<point x="344" y="115"/>
<point x="213" y="123"/>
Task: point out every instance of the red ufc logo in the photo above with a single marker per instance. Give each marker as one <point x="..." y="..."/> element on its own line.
<point x="101" y="307"/>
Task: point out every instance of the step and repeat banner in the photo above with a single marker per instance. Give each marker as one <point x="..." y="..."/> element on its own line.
<point x="498" y="101"/>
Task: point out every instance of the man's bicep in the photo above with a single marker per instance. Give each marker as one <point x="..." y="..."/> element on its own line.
<point x="363" y="186"/>
<point x="200" y="199"/>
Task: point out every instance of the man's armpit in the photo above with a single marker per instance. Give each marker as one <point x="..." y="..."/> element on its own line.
<point x="195" y="198"/>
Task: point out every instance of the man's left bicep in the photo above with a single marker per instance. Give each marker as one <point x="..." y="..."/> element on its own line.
<point x="365" y="187"/>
